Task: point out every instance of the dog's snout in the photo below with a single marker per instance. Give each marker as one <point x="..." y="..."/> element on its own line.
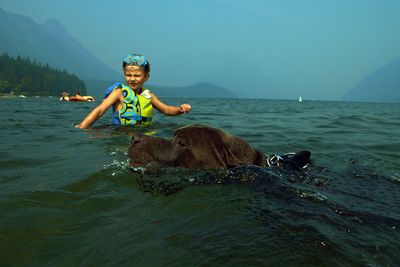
<point x="136" y="138"/>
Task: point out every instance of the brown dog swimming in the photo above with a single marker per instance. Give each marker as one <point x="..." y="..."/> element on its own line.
<point x="198" y="146"/>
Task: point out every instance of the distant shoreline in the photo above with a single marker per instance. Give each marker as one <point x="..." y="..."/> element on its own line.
<point x="3" y="95"/>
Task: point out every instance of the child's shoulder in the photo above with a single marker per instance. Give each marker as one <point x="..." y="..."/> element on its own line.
<point x="110" y="89"/>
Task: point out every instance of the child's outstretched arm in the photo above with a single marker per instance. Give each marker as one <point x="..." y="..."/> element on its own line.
<point x="97" y="112"/>
<point x="169" y="110"/>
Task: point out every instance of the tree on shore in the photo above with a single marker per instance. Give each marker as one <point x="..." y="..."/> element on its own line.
<point x="23" y="76"/>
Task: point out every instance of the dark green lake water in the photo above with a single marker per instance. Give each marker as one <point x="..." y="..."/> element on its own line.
<point x="68" y="197"/>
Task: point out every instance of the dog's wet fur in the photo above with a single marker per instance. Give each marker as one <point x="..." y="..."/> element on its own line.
<point x="201" y="147"/>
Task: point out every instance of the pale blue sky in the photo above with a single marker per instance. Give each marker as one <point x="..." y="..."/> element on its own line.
<point x="263" y="48"/>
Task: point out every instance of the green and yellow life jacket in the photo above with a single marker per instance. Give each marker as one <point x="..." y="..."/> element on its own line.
<point x="136" y="109"/>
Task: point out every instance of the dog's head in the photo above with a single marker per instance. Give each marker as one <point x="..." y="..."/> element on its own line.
<point x="194" y="146"/>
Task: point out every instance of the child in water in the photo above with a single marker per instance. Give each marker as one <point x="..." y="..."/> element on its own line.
<point x="132" y="104"/>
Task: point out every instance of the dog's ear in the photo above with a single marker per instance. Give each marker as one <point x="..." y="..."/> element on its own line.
<point x="237" y="151"/>
<point x="230" y="159"/>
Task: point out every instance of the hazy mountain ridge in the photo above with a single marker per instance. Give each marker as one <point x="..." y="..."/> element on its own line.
<point x="51" y="44"/>
<point x="198" y="90"/>
<point x="382" y="85"/>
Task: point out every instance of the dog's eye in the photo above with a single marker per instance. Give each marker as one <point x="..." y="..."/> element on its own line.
<point x="181" y="143"/>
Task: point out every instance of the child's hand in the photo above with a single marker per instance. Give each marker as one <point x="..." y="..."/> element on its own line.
<point x="185" y="108"/>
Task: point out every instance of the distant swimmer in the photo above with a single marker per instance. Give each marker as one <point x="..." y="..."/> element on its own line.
<point x="77" y="97"/>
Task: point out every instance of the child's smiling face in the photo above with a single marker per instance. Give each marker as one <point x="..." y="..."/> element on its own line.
<point x="135" y="77"/>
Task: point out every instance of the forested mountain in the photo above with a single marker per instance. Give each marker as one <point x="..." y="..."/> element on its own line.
<point x="51" y="44"/>
<point x="21" y="76"/>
